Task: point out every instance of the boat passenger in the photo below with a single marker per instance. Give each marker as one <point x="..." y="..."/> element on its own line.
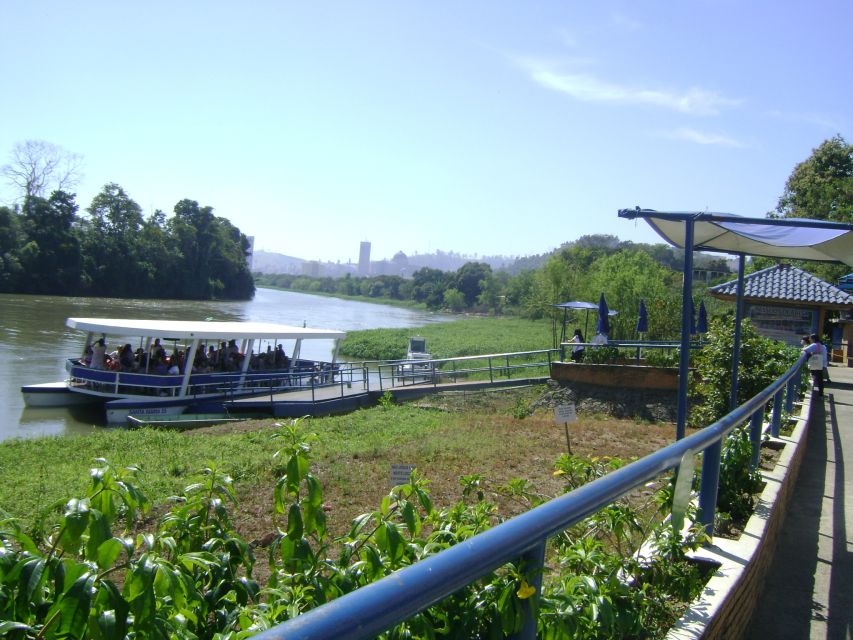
<point x="210" y="358"/>
<point x="126" y="360"/>
<point x="155" y="347"/>
<point x="159" y="366"/>
<point x="99" y="354"/>
<point x="281" y="360"/>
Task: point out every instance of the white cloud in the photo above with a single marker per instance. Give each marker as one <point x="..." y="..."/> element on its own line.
<point x="587" y="88"/>
<point x="823" y="121"/>
<point x="701" y="137"/>
<point x="625" y="22"/>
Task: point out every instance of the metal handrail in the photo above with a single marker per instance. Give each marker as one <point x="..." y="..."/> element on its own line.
<point x="379" y="606"/>
<point x="430" y="371"/>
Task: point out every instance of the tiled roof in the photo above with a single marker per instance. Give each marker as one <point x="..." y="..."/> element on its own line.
<point x="785" y="283"/>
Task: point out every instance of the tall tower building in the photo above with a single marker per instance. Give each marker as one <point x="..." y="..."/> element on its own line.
<point x="364" y="259"/>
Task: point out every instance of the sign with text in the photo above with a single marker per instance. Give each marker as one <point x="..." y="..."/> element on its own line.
<point x="400" y="473"/>
<point x="565" y="413"/>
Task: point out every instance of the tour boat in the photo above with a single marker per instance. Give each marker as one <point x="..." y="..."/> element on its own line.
<point x="145" y="394"/>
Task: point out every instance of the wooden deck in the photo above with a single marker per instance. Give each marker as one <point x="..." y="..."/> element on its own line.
<point x="338" y="398"/>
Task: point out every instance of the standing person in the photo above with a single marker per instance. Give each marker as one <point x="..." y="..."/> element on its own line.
<point x="577" y="349"/>
<point x="825" y="360"/>
<point x="99" y="354"/>
<point x="815" y="362"/>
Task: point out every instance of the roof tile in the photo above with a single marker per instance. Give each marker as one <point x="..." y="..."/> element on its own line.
<point x="786" y="283"/>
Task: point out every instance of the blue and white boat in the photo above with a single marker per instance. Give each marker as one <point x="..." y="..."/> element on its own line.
<point x="141" y="393"/>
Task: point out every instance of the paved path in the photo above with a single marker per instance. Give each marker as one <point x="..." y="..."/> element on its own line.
<point x="809" y="589"/>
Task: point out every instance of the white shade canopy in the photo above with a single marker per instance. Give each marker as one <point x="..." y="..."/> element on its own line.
<point x="183" y="330"/>
<point x="787" y="238"/>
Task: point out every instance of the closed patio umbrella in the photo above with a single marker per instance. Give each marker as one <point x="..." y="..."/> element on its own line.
<point x="603" y="324"/>
<point x="643" y="319"/>
<point x="702" y="324"/>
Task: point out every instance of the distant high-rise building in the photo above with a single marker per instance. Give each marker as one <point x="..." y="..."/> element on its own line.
<point x="364" y="259"/>
<point x="312" y="268"/>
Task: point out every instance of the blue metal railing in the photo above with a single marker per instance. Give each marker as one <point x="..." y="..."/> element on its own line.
<point x="379" y="606"/>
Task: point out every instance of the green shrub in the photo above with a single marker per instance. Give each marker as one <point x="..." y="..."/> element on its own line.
<point x="761" y="361"/>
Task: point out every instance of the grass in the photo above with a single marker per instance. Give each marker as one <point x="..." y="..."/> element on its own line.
<point x="446" y="436"/>
<point x="465" y="337"/>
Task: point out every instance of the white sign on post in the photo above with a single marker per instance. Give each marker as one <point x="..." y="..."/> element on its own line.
<point x="565" y="413"/>
<point x="401" y="473"/>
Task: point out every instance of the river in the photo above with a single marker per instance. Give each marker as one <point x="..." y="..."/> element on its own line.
<point x="34" y="341"/>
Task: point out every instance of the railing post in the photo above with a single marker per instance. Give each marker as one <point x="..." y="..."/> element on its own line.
<point x="532" y="564"/>
<point x="508" y="371"/>
<point x="491" y="372"/>
<point x="755" y="437"/>
<point x="710" y="483"/>
<point x="686" y="317"/>
<point x="790" y="392"/>
<point x="738" y="321"/>
<point x="776" y="421"/>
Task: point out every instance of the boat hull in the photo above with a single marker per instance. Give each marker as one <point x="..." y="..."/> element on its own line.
<point x="54" y="394"/>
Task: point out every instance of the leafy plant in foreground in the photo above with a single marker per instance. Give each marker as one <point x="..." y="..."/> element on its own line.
<point x="191" y="576"/>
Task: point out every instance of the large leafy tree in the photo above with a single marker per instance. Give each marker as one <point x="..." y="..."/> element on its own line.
<point x="51" y="256"/>
<point x="212" y="262"/>
<point x="821" y="188"/>
<point x="11" y="239"/>
<point x="471" y="278"/>
<point x="115" y="256"/>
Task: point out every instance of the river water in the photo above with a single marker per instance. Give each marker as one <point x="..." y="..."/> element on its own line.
<point x="34" y="341"/>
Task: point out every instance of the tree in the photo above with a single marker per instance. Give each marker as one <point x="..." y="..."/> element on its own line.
<point x="11" y="239"/>
<point x="429" y="286"/>
<point x="51" y="256"/>
<point x="115" y="258"/>
<point x="469" y="280"/>
<point x="38" y="167"/>
<point x="821" y="187"/>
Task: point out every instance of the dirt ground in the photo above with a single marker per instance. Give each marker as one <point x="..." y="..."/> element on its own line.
<point x="507" y="447"/>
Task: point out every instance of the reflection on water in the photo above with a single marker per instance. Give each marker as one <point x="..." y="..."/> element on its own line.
<point x="34" y="341"/>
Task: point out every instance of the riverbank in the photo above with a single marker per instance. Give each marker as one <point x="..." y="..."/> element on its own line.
<point x="468" y="336"/>
<point x="446" y="436"/>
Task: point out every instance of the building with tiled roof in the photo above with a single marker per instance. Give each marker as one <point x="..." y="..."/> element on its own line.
<point x="785" y="303"/>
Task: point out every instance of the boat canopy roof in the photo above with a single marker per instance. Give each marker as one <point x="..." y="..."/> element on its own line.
<point x="189" y="330"/>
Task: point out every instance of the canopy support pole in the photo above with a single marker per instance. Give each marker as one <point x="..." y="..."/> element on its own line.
<point x="738" y="319"/>
<point x="686" y="317"/>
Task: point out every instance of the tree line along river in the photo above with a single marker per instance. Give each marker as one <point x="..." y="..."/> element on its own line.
<point x="34" y="341"/>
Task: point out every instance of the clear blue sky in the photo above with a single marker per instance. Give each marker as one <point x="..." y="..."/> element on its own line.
<point x="478" y="127"/>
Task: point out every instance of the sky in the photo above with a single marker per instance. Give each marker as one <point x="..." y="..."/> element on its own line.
<point x="481" y="127"/>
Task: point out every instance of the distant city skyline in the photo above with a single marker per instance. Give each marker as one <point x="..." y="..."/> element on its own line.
<point x="480" y="127"/>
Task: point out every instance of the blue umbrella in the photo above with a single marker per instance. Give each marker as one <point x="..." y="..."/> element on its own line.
<point x="643" y="320"/>
<point x="603" y="324"/>
<point x="702" y="325"/>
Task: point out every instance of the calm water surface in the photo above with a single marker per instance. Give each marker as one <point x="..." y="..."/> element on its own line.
<point x="34" y="341"/>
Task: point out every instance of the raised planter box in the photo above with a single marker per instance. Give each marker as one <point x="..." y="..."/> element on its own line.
<point x="725" y="608"/>
<point x="623" y="376"/>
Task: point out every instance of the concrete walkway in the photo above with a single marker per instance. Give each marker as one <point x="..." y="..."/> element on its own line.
<point x="809" y="589"/>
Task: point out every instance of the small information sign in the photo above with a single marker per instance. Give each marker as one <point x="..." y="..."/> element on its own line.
<point x="565" y="413"/>
<point x="401" y="473"/>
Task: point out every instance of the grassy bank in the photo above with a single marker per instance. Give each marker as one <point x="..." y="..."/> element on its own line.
<point x="445" y="436"/>
<point x="465" y="337"/>
<point x="390" y="302"/>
